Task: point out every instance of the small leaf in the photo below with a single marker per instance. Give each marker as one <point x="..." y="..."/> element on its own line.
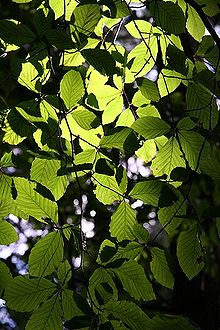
<point x="46" y="255"/>
<point x="149" y="89"/>
<point x="160" y="268"/>
<point x="102" y="287"/>
<point x="69" y="306"/>
<point x="195" y="25"/>
<point x="123" y="221"/>
<point x="71" y="88"/>
<point x="121" y="138"/>
<point x="150" y="127"/>
<point x="107" y="189"/>
<point x="25" y="294"/>
<point x="134" y="280"/>
<point x="130" y="314"/>
<point x="148" y="191"/>
<point x="189" y="252"/>
<point x="101" y="60"/>
<point x="32" y="203"/>
<point x="8" y="234"/>
<point x="5" y="277"/>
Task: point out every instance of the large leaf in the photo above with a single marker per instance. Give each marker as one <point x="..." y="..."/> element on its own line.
<point x="47" y="316"/>
<point x="134" y="280"/>
<point x="150" y="127"/>
<point x="147" y="191"/>
<point x="189" y="252"/>
<point x="169" y="16"/>
<point x="149" y="89"/>
<point x="84" y="20"/>
<point x="168" y="157"/>
<point x="122" y="222"/>
<point x="46" y="255"/>
<point x="44" y="171"/>
<point x="25" y="294"/>
<point x="16" y="33"/>
<point x="71" y="88"/>
<point x="160" y="268"/>
<point x="32" y="203"/>
<point x="8" y="233"/>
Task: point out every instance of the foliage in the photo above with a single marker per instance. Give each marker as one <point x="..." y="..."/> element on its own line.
<point x="78" y="104"/>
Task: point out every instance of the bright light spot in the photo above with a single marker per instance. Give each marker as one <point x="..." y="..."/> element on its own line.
<point x="145" y="171"/>
<point x="11" y="169"/>
<point x="152" y="222"/>
<point x="77" y="262"/>
<point x="93" y="213"/>
<point x="69" y="221"/>
<point x="76" y="202"/>
<point x="133" y="168"/>
<point x="17" y="151"/>
<point x="152" y="75"/>
<point x="13" y="218"/>
<point x="22" y="248"/>
<point x="151" y="215"/>
<point x="136" y="204"/>
<point x="84" y="199"/>
<point x="87" y="228"/>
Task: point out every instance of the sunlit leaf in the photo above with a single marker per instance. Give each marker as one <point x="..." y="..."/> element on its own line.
<point x="160" y="268"/>
<point x="46" y="255"/>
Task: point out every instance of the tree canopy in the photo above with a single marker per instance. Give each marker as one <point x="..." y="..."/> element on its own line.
<point x="109" y="164"/>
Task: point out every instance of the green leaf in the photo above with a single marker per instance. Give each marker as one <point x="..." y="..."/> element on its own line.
<point x="101" y="60"/>
<point x="168" y="157"/>
<point x="134" y="280"/>
<point x="149" y="89"/>
<point x="29" y="77"/>
<point x="148" y="191"/>
<point x="150" y="127"/>
<point x="169" y="16"/>
<point x="47" y="316"/>
<point x="189" y="252"/>
<point x="121" y="138"/>
<point x="210" y="164"/>
<point x="14" y="32"/>
<point x="168" y="81"/>
<point x="84" y="20"/>
<point x="8" y="233"/>
<point x="69" y="306"/>
<point x="141" y="233"/>
<point x="192" y="144"/>
<point x="160" y="268"/>
<point x="122" y="223"/>
<point x="71" y="88"/>
<point x="85" y="118"/>
<point x="25" y="294"/>
<point x="199" y="102"/>
<point x="102" y="287"/>
<point x="44" y="171"/>
<point x="195" y="25"/>
<point x="32" y="203"/>
<point x="85" y="157"/>
<point x="170" y="216"/>
<point x="130" y="314"/>
<point x="107" y="189"/>
<point x="46" y="255"/>
<point x="5" y="277"/>
<point x="59" y="10"/>
<point x="148" y="151"/>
